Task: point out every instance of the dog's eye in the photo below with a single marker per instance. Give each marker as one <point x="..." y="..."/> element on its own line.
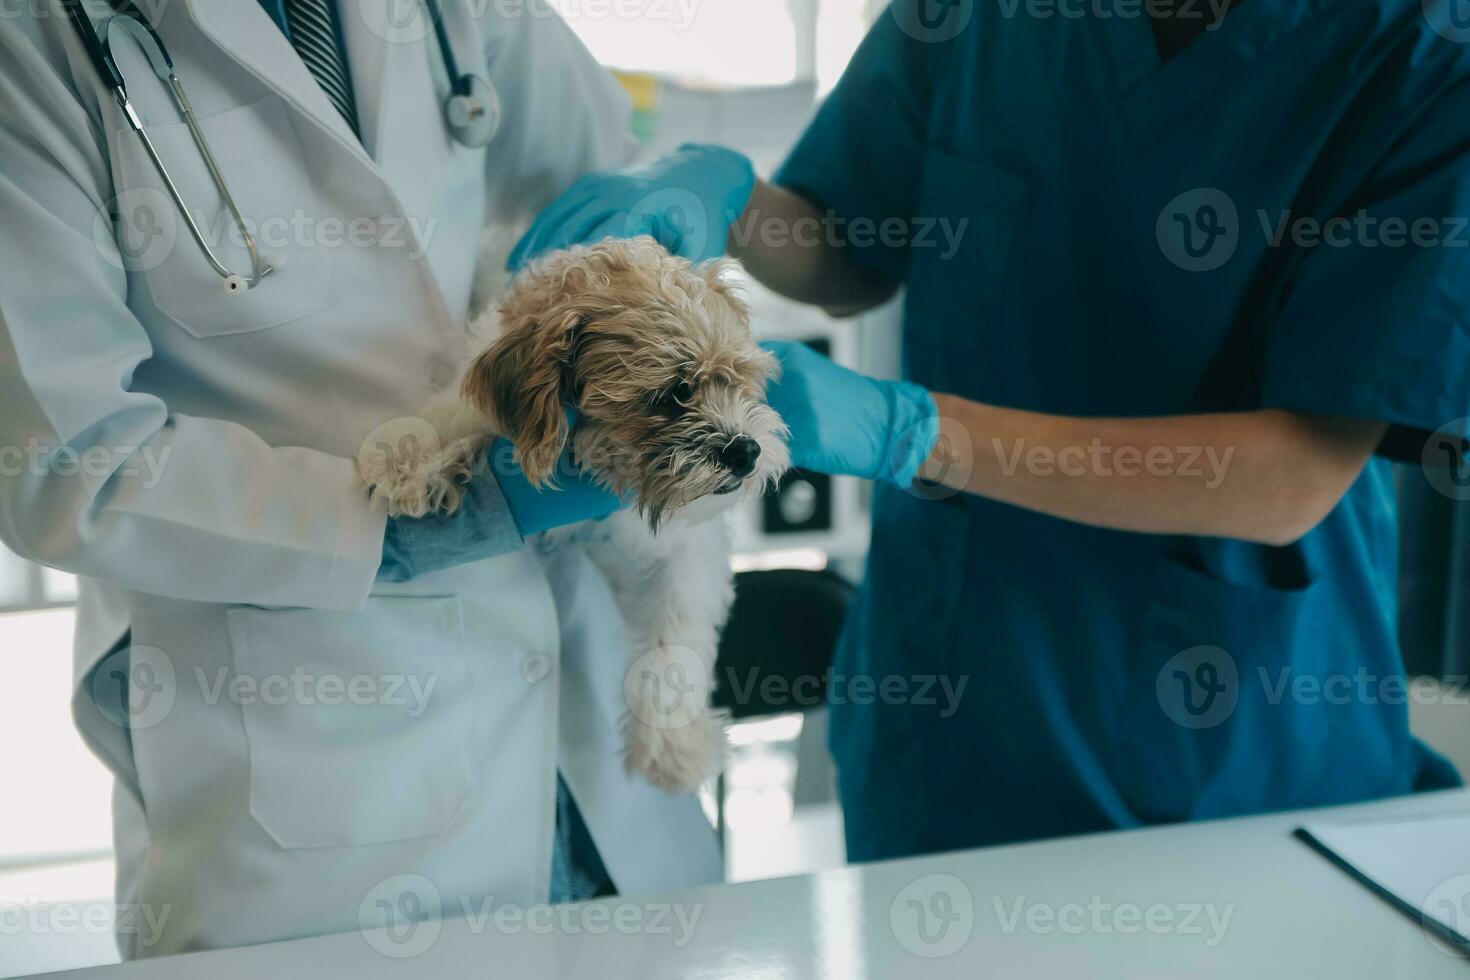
<point x="675" y="398"/>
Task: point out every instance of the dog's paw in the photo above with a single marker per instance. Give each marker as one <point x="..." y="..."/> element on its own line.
<point x="676" y="759"/>
<point x="413" y="481"/>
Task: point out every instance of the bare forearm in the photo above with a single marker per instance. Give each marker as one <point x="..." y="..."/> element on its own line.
<point x="1267" y="476"/>
<point x="785" y="243"/>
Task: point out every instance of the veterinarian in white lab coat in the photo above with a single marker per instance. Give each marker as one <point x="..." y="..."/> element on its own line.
<point x="300" y="745"/>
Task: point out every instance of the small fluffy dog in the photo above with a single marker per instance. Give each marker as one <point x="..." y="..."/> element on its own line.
<point x="668" y="385"/>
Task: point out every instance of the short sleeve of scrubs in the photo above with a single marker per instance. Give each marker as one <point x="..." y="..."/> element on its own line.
<point x="1375" y="322"/>
<point x="860" y="156"/>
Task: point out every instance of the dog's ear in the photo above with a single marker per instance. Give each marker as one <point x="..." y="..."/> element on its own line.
<point x="521" y="383"/>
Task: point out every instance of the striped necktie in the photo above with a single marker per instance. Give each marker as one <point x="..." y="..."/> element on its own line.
<point x="313" y="29"/>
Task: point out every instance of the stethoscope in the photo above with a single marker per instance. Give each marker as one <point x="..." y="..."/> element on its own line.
<point x="472" y="109"/>
<point x="471" y="113"/>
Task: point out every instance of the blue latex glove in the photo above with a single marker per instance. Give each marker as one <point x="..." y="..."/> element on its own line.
<point x="499" y="510"/>
<point x="847" y="423"/>
<point x="687" y="201"/>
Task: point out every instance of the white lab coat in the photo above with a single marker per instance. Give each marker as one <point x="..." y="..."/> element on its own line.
<point x="241" y="556"/>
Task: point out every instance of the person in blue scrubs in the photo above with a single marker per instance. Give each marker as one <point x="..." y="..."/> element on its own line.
<point x="1134" y="486"/>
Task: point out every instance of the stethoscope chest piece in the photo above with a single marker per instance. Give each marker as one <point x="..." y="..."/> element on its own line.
<point x="473" y="112"/>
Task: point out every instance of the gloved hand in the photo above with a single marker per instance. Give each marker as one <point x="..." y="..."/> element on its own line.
<point x="687" y="201"/>
<point x="570" y="498"/>
<point x="499" y="510"/>
<point x="846" y="423"/>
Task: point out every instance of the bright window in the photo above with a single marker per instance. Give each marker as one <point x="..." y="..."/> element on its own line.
<point x="60" y="795"/>
<point x="724" y="42"/>
<point x="729" y="42"/>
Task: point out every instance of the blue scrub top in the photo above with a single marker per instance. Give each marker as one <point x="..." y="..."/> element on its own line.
<point x="1114" y="263"/>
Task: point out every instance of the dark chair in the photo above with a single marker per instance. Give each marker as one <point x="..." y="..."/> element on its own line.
<point x="777" y="646"/>
<point x="779" y="640"/>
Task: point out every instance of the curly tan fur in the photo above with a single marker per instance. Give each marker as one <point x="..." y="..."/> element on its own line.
<point x="657" y="358"/>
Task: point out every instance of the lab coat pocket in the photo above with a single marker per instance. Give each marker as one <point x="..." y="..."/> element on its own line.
<point x="265" y="172"/>
<point x="1202" y="732"/>
<point x="962" y="248"/>
<point x="359" y="723"/>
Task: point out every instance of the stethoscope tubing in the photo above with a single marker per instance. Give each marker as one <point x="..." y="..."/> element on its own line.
<point x="99" y="46"/>
<point x="99" y="50"/>
<point x="459" y="82"/>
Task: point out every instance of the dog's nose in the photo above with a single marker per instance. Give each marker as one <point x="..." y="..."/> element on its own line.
<point x="740" y="455"/>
